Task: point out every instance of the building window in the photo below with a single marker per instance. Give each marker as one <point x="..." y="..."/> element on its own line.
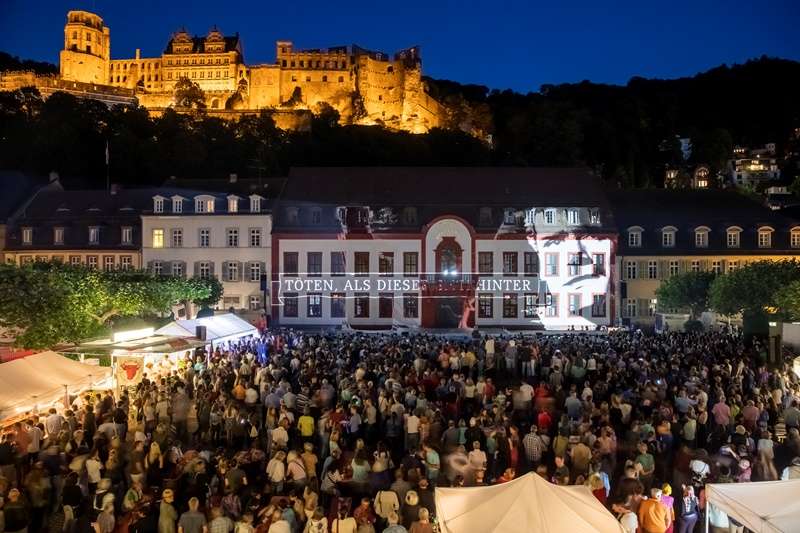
<point x="177" y="205"/>
<point x="27" y="235"/>
<point x="177" y="238"/>
<point x="255" y="302"/>
<point x="674" y="268"/>
<point x="255" y="237"/>
<point x="485" y="216"/>
<point x="204" y="205"/>
<point x="314" y="305"/>
<point x="337" y="264"/>
<point x="75" y="260"/>
<point x="574" y="264"/>
<point x="530" y="304"/>
<point x="551" y="305"/>
<point x="599" y="264"/>
<point x="205" y="238"/>
<point x="410" y="264"/>
<point x="255" y="271"/>
<point x="410" y="305"/>
<point x="574" y="304"/>
<point x="233" y="271"/>
<point x="530" y="263"/>
<point x="716" y="267"/>
<point x="510" y="306"/>
<point x="764" y="238"/>
<point x="26" y="260"/>
<point x="572" y="217"/>
<point x="629" y="309"/>
<point x="58" y="235"/>
<point x="158" y="268"/>
<point x="652" y="270"/>
<point x="338" y="300"/>
<point x="594" y="216"/>
<point x="158" y="205"/>
<point x="204" y="269"/>
<point x="635" y="239"/>
<point x="108" y="263"/>
<point x="550" y="216"/>
<point x="795" y="238"/>
<point x="158" y="238"/>
<point x="630" y="269"/>
<point x="598" y="305"/>
<point x="362" y="263"/>
<point x="94" y="235"/>
<point x="701" y="238"/>
<point x="695" y="266"/>
<point x="486" y="263"/>
<point x="385" y="305"/>
<point x="290" y="305"/>
<point x="509" y="216"/>
<point x="733" y="265"/>
<point x="292" y="215"/>
<point x="733" y="238"/>
<point x="386" y="264"/>
<point x="290" y="263"/>
<point x="314" y="267"/>
<point x="410" y="216"/>
<point x="509" y="263"/>
<point x="668" y="238"/>
<point x="177" y="269"/>
<point x="125" y="262"/>
<point x="316" y="216"/>
<point x="361" y="303"/>
<point x="127" y="235"/>
<point x="652" y="305"/>
<point x="551" y="264"/>
<point x="485" y="305"/>
<point x="232" y="237"/>
<point x="530" y="217"/>
<point x="255" y="202"/>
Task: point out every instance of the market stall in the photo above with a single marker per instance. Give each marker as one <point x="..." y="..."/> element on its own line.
<point x="528" y="503"/>
<point x="217" y="329"/>
<point x="38" y="381"/>
<point x="762" y="507"/>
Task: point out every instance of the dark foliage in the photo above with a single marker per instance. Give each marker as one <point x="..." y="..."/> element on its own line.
<point x="9" y="62"/>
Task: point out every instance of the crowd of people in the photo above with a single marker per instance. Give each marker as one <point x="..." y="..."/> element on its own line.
<point x="349" y="433"/>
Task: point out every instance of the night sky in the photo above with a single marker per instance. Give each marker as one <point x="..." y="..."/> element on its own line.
<point x="519" y="45"/>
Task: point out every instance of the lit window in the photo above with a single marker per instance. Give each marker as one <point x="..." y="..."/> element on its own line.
<point x="233" y="204"/>
<point x="204" y="205"/>
<point x="94" y="235"/>
<point x="27" y="235"/>
<point x="58" y="235"/>
<point x="158" y="238"/>
<point x="795" y="238"/>
<point x="127" y="235"/>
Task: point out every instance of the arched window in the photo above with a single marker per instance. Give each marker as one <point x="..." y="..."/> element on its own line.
<point x="733" y="236"/>
<point x="668" y="236"/>
<point x="635" y="236"/>
<point x="701" y="236"/>
<point x="765" y="237"/>
<point x="794" y="237"/>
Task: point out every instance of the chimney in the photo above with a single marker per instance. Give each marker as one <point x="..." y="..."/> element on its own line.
<point x="233" y="178"/>
<point x="138" y="54"/>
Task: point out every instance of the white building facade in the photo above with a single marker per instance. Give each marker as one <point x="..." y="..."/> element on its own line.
<point x="437" y="262"/>
<point x="198" y="234"/>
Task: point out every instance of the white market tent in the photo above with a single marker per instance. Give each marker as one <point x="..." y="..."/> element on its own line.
<point x="219" y="328"/>
<point x="762" y="507"/>
<point x="39" y="380"/>
<point x="528" y="503"/>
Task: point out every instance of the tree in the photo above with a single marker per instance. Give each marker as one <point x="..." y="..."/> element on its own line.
<point x="689" y="290"/>
<point x="189" y="95"/>
<point x="788" y="300"/>
<point x="52" y="303"/>
<point x="755" y="289"/>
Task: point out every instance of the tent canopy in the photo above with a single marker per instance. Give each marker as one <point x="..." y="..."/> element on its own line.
<point x="218" y="327"/>
<point x="763" y="507"/>
<point x="528" y="503"/>
<point x="40" y="379"/>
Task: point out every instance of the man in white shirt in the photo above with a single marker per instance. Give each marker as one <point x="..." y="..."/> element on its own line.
<point x="412" y="431"/>
<point x="53" y="424"/>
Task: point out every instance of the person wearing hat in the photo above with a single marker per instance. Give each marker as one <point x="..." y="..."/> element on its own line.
<point x="167" y="514"/>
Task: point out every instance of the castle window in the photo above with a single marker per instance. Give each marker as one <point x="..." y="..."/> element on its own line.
<point x="169" y="76"/>
<point x="390" y="68"/>
<point x="292" y="64"/>
<point x="156" y="77"/>
<point x="88" y="36"/>
<point x="324" y="78"/>
<point x="88" y="49"/>
<point x="194" y="61"/>
<point x="74" y="34"/>
<point x="283" y="63"/>
<point x="341" y="79"/>
<point x="343" y="64"/>
<point x="380" y="97"/>
<point x="294" y="78"/>
<point x="302" y="63"/>
<point x="124" y="78"/>
<point x="308" y="78"/>
<point x="125" y="66"/>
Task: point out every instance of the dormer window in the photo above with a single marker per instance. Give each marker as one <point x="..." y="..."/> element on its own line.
<point x="530" y="217"/>
<point x="94" y="235"/>
<point x="733" y="237"/>
<point x="572" y="217"/>
<point x="158" y="204"/>
<point x="794" y="238"/>
<point x="58" y="235"/>
<point x="668" y="237"/>
<point x="765" y="237"/>
<point x="27" y="235"/>
<point x="485" y="216"/>
<point x="255" y="204"/>
<point x="316" y="215"/>
<point x="635" y="237"/>
<point x="701" y="237"/>
<point x="550" y="216"/>
<point x="204" y="204"/>
<point x="594" y="216"/>
<point x="177" y="204"/>
<point x="410" y="216"/>
<point x="509" y="216"/>
<point x="292" y="215"/>
<point x="233" y="204"/>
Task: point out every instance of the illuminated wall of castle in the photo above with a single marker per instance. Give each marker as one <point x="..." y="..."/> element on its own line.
<point x="364" y="86"/>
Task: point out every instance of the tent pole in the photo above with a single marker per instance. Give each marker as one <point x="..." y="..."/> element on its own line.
<point x="708" y="514"/>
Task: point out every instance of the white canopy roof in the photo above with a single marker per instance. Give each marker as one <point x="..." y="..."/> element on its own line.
<point x="528" y="503"/>
<point x="218" y="327"/>
<point x="39" y="380"/>
<point x="763" y="507"/>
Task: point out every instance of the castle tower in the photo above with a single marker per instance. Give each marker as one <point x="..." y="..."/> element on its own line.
<point x="87" y="49"/>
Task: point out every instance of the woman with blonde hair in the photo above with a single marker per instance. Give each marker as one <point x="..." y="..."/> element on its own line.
<point x="423" y="525"/>
<point x="410" y="509"/>
<point x="669" y="503"/>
